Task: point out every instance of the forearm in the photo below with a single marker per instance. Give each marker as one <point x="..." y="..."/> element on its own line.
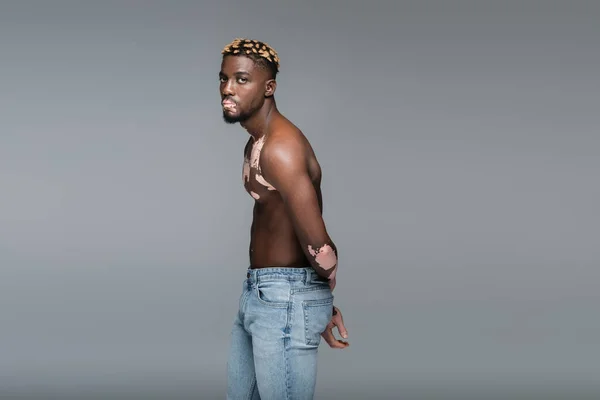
<point x="323" y="258"/>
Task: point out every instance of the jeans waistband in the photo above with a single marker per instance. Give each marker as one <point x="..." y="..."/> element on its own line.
<point x="305" y="274"/>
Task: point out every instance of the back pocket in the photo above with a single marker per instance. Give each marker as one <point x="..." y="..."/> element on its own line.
<point x="317" y="314"/>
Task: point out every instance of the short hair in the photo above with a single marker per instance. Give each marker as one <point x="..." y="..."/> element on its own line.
<point x="258" y="51"/>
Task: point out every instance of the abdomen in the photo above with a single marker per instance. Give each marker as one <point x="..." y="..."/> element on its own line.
<point x="273" y="241"/>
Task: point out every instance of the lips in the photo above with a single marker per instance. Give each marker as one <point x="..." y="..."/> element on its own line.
<point x="228" y="104"/>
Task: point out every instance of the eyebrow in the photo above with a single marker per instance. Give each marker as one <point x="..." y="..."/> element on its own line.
<point x="238" y="73"/>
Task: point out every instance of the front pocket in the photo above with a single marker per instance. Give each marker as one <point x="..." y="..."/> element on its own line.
<point x="273" y="294"/>
<point x="317" y="314"/>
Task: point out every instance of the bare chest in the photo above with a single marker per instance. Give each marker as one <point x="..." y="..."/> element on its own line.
<point x="252" y="178"/>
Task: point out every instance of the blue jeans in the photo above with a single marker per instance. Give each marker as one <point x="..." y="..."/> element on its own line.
<point x="276" y="334"/>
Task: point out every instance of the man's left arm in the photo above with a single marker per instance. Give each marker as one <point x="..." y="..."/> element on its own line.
<point x="284" y="165"/>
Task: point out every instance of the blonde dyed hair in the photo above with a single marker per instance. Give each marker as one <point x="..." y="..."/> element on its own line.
<point x="254" y="49"/>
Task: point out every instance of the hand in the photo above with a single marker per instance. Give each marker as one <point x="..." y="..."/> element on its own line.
<point x="332" y="283"/>
<point x="336" y="320"/>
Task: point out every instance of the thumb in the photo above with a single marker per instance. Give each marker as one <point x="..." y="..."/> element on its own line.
<point x="339" y="322"/>
<point x="342" y="330"/>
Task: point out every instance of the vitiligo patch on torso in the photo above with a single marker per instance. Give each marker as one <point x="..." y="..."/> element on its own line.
<point x="252" y="177"/>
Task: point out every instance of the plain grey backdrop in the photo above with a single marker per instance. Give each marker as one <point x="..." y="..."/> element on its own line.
<point x="460" y="149"/>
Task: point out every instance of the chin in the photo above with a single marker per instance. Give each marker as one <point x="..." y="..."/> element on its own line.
<point x="233" y="118"/>
<point x="229" y="119"/>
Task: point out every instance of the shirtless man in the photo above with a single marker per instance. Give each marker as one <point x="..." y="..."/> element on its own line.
<point x="286" y="304"/>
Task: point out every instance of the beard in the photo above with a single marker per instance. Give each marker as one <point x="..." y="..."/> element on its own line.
<point x="232" y="119"/>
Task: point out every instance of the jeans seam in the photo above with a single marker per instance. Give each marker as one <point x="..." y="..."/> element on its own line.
<point x="243" y="302"/>
<point x="307" y="336"/>
<point x="252" y="389"/>
<point x="286" y="346"/>
<point x="310" y="289"/>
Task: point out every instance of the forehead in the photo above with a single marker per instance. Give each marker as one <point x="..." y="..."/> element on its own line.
<point x="235" y="64"/>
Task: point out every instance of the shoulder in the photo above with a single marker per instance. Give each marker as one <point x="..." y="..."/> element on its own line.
<point x="286" y="147"/>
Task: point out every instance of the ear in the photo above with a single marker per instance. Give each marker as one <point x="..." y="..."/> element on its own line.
<point x="270" y="87"/>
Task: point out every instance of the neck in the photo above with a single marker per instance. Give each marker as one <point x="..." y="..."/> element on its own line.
<point x="258" y="124"/>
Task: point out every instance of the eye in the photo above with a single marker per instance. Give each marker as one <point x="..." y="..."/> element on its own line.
<point x="222" y="79"/>
<point x="242" y="80"/>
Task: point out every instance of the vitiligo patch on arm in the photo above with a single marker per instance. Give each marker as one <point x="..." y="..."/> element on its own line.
<point x="325" y="258"/>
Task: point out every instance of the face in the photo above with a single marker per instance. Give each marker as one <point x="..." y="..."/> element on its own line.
<point x="243" y="87"/>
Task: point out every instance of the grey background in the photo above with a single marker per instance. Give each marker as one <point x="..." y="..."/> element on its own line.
<point x="459" y="144"/>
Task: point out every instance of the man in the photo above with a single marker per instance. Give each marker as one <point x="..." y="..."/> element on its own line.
<point x="286" y="304"/>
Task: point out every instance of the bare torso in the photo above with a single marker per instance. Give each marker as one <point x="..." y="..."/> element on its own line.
<point x="273" y="242"/>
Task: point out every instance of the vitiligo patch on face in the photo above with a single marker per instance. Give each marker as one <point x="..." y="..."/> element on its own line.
<point x="324" y="256"/>
<point x="255" y="195"/>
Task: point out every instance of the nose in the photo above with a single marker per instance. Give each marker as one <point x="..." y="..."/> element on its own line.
<point x="227" y="89"/>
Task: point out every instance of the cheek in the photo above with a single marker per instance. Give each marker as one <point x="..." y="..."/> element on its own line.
<point x="250" y="98"/>
<point x="258" y="100"/>
<point x="252" y="95"/>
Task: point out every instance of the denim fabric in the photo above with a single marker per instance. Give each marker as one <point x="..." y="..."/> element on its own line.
<point x="276" y="334"/>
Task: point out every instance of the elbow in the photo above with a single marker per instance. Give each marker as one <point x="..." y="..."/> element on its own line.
<point x="324" y="260"/>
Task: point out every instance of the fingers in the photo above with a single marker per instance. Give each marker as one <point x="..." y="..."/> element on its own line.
<point x="331" y="340"/>
<point x="338" y="320"/>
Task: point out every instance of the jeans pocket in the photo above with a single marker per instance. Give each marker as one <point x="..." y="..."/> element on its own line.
<point x="273" y="294"/>
<point x="317" y="314"/>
